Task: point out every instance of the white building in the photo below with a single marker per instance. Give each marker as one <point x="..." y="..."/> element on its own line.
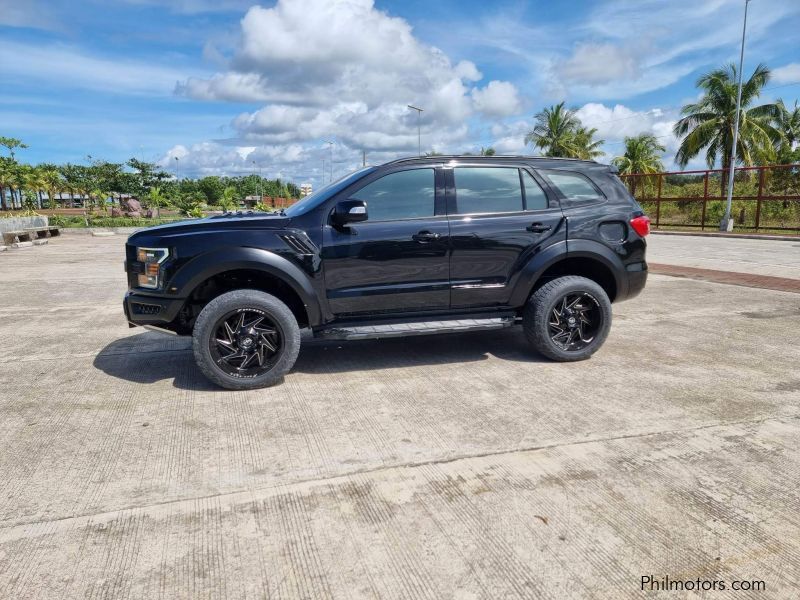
<point x="305" y="190"/>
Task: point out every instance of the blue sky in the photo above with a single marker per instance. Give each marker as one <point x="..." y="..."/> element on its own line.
<point x="228" y="86"/>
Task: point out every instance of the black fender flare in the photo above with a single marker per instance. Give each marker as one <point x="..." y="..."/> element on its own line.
<point x="563" y="250"/>
<point x="202" y="267"/>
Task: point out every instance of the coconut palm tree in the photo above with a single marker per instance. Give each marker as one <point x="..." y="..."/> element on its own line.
<point x="583" y="144"/>
<point x="554" y="131"/>
<point x="790" y="123"/>
<point x="8" y="170"/>
<point x="52" y="182"/>
<point x="229" y="199"/>
<point x="708" y="124"/>
<point x="642" y="155"/>
<point x="156" y="199"/>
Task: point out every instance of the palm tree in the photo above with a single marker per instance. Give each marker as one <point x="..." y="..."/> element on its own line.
<point x="52" y="183"/>
<point x="11" y="143"/>
<point x="708" y="123"/>
<point x="8" y="170"/>
<point x="583" y="144"/>
<point x="156" y="199"/>
<point x="790" y="124"/>
<point x="229" y="199"/>
<point x="642" y="155"/>
<point x="554" y="132"/>
<point x="487" y="151"/>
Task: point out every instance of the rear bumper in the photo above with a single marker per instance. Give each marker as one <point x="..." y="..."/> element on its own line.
<point x="141" y="309"/>
<point x="637" y="278"/>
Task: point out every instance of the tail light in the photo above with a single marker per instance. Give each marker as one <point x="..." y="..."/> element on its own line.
<point x="641" y="225"/>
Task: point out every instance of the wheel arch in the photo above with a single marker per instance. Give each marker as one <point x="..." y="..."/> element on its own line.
<point x="588" y="259"/>
<point x="213" y="273"/>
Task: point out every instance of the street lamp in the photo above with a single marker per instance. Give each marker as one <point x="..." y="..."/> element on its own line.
<point x="419" y="143"/>
<point x="330" y="147"/>
<point x="177" y="169"/>
<point x="727" y="222"/>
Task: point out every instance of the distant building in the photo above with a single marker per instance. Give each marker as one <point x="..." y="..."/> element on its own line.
<point x="305" y="190"/>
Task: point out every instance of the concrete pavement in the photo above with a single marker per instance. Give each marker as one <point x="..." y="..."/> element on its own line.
<point x="459" y="466"/>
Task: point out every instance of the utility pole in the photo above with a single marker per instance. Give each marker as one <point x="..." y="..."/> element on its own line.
<point x="364" y="162"/>
<point x="419" y="139"/>
<point x="727" y="221"/>
<point x="177" y="169"/>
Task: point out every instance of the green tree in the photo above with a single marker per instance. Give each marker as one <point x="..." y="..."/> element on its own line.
<point x="789" y="123"/>
<point x="708" y="124"/>
<point x="487" y="151"/>
<point x="554" y="131"/>
<point x="212" y="188"/>
<point x="52" y="182"/>
<point x="229" y="200"/>
<point x="584" y="146"/>
<point x="156" y="200"/>
<point x="642" y="155"/>
<point x="8" y="173"/>
<point x="11" y="143"/>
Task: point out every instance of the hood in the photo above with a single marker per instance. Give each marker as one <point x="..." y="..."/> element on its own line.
<point x="220" y="223"/>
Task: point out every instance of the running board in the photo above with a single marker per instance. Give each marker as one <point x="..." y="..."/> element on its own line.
<point x="364" y="332"/>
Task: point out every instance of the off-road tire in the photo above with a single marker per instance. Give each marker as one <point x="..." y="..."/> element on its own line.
<point x="537" y="315"/>
<point x="256" y="300"/>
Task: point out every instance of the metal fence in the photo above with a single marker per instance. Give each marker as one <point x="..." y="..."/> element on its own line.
<point x="764" y="198"/>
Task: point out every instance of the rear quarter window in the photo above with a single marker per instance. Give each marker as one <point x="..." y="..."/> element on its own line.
<point x="573" y="187"/>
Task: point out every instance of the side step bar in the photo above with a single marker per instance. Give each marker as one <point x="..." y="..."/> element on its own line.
<point x="364" y="332"/>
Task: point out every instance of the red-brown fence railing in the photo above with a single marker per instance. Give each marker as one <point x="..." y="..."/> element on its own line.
<point x="764" y="198"/>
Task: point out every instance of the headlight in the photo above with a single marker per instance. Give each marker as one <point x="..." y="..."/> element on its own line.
<point x="152" y="259"/>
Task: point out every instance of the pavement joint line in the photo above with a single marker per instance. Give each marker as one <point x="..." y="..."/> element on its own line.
<point x="22" y="529"/>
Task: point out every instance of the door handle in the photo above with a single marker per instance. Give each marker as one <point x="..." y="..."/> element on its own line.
<point x="425" y="236"/>
<point x="538" y="227"/>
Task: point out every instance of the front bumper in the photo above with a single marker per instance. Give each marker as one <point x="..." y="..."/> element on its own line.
<point x="143" y="309"/>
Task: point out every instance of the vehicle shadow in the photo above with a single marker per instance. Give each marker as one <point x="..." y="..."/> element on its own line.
<point x="150" y="356"/>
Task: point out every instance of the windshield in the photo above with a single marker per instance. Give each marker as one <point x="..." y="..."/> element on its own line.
<point x="322" y="194"/>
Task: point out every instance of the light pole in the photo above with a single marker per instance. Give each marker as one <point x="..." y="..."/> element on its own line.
<point x="330" y="147"/>
<point x="727" y="222"/>
<point x="177" y="169"/>
<point x="419" y="139"/>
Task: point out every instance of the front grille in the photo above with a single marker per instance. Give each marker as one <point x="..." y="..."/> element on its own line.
<point x="145" y="309"/>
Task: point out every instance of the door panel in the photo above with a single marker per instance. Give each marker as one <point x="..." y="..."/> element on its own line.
<point x="491" y="248"/>
<point x="397" y="265"/>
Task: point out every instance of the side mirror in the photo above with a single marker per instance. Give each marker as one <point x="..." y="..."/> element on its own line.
<point x="349" y="211"/>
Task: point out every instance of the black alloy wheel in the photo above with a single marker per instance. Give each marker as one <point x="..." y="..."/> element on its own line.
<point x="246" y="339"/>
<point x="568" y="318"/>
<point x="246" y="343"/>
<point x="575" y="321"/>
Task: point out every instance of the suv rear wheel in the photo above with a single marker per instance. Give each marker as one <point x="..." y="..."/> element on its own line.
<point x="245" y="339"/>
<point x="568" y="318"/>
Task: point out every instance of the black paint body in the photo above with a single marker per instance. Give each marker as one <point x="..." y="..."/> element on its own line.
<point x="412" y="269"/>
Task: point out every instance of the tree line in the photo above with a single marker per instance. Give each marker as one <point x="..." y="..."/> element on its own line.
<point x="101" y="182"/>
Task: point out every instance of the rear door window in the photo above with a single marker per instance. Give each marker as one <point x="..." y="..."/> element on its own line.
<point x="573" y="187"/>
<point x="487" y="190"/>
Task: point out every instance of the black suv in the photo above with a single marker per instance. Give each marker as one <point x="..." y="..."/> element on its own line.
<point x="414" y="246"/>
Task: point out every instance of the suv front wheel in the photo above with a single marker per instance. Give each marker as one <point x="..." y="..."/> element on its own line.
<point x="568" y="318"/>
<point x="245" y="339"/>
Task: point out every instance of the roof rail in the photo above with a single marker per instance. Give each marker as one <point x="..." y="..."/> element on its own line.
<point x="443" y="157"/>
